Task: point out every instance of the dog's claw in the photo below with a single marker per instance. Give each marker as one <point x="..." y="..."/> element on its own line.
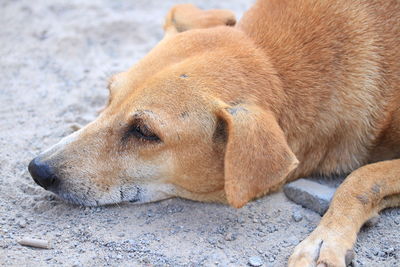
<point x="349" y="257"/>
<point x="323" y="248"/>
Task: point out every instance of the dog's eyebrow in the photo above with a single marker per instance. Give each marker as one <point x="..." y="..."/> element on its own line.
<point x="148" y="115"/>
<point x="140" y="112"/>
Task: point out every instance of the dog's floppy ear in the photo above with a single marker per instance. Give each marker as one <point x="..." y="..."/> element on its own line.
<point x="257" y="156"/>
<point x="185" y="17"/>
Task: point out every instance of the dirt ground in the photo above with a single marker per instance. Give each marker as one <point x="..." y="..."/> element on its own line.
<point x="55" y="57"/>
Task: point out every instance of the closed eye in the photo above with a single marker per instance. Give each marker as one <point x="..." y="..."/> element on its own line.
<point x="142" y="132"/>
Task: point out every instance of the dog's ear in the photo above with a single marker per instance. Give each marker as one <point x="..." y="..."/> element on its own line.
<point x="257" y="156"/>
<point x="185" y="17"/>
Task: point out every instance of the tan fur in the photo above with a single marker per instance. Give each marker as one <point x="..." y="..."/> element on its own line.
<point x="295" y="88"/>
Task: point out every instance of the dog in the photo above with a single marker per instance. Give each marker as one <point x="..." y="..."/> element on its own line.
<point x="226" y="112"/>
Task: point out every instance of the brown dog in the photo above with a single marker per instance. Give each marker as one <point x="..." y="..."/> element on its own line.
<point x="227" y="114"/>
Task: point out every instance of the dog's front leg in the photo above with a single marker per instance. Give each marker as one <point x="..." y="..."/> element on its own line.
<point x="363" y="194"/>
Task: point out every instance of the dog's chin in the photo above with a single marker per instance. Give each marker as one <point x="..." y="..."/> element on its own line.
<point x="88" y="200"/>
<point x="136" y="194"/>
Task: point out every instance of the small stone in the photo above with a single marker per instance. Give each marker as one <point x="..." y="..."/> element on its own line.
<point x="255" y="261"/>
<point x="22" y="223"/>
<point x="212" y="241"/>
<point x="389" y="250"/>
<point x="297" y="216"/>
<point x="294" y="241"/>
<point x="75" y="127"/>
<point x="230" y="237"/>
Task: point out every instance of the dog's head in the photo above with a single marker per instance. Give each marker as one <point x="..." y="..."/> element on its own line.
<point x="185" y="121"/>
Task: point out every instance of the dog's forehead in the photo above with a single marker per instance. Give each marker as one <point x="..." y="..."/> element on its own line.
<point x="172" y="90"/>
<point x="171" y="102"/>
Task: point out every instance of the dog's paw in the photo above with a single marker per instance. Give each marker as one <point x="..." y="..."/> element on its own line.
<point x="323" y="248"/>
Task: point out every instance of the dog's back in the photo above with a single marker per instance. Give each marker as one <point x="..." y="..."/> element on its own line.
<point x="339" y="64"/>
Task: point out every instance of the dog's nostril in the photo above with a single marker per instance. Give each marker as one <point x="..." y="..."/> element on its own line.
<point x="42" y="174"/>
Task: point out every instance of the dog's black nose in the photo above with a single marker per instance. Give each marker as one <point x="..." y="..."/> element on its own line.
<point x="42" y="174"/>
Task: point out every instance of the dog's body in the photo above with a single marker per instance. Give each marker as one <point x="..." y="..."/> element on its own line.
<point x="217" y="113"/>
<point x="339" y="67"/>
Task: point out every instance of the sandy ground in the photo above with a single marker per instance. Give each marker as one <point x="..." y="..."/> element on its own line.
<point x="55" y="57"/>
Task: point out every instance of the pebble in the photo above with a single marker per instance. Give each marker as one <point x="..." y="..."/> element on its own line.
<point x="212" y="241"/>
<point x="297" y="217"/>
<point x="22" y="223"/>
<point x="389" y="250"/>
<point x="293" y="240"/>
<point x="255" y="261"/>
<point x="230" y="237"/>
<point x="75" y="127"/>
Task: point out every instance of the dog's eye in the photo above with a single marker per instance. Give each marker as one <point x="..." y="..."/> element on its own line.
<point x="142" y="132"/>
